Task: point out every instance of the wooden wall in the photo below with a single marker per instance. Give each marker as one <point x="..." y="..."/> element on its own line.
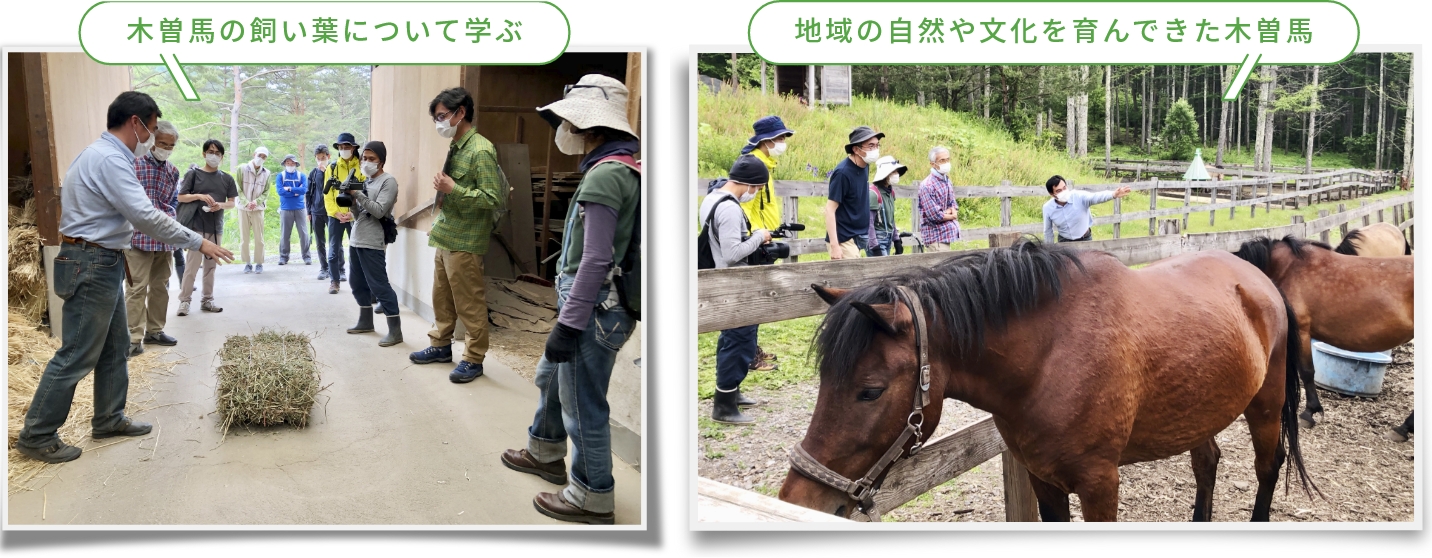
<point x="400" y="120"/>
<point x="80" y="91"/>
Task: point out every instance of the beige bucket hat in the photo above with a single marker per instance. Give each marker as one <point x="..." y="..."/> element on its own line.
<point x="595" y="100"/>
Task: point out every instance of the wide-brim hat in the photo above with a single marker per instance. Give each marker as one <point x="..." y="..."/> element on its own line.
<point x="887" y="165"/>
<point x="768" y="128"/>
<point x="595" y="101"/>
<point x="347" y="138"/>
<point x="290" y="157"/>
<point x="861" y="135"/>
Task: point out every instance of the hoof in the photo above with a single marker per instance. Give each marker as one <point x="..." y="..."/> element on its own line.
<point x="1306" y="422"/>
<point x="1394" y="436"/>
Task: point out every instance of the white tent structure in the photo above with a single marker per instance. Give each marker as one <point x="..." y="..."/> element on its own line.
<point x="1196" y="169"/>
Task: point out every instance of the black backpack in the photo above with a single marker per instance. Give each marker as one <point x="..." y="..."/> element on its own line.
<point x="704" y="258"/>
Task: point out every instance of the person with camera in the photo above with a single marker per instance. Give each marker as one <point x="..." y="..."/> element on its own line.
<point x="847" y="208"/>
<point x="939" y="211"/>
<point x="724" y="227"/>
<point x="147" y="298"/>
<point x="371" y="203"/>
<point x="253" y="200"/>
<point x="340" y="219"/>
<point x="204" y="194"/>
<point x="292" y="189"/>
<point x="598" y="301"/>
<point x="469" y="193"/>
<point x="317" y="211"/>
<point x="883" y="232"/>
<point x="104" y="203"/>
<point x="1068" y="210"/>
<point x="767" y="143"/>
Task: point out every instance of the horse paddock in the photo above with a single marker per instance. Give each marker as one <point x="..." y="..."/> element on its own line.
<point x="1363" y="476"/>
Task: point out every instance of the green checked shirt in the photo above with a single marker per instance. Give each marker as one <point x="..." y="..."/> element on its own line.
<point x="468" y="214"/>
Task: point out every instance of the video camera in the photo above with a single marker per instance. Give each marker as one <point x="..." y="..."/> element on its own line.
<point x="344" y="200"/>
<point x="767" y="254"/>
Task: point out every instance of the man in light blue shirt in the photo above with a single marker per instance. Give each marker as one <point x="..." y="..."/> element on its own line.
<point x="1067" y="211"/>
<point x="100" y="197"/>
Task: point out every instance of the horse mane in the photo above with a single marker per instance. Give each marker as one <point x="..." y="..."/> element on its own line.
<point x="965" y="295"/>
<point x="1259" y="251"/>
<point x="1346" y="246"/>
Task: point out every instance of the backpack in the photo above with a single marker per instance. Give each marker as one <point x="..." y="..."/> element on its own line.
<point x="626" y="275"/>
<point x="704" y="258"/>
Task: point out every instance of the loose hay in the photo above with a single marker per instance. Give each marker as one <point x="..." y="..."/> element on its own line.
<point x="28" y="291"/>
<point x="267" y="378"/>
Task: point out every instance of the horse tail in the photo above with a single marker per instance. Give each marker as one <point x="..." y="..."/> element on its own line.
<point x="1292" y="392"/>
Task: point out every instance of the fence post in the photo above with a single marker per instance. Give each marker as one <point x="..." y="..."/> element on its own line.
<point x="1020" y="503"/>
<point x="1342" y="229"/>
<point x="791" y="213"/>
<point x="1380" y="216"/>
<point x="1283" y="203"/>
<point x="1187" y="197"/>
<point x="1323" y="236"/>
<point x="1233" y="192"/>
<point x="1212" y="200"/>
<point x="1003" y="240"/>
<point x="1268" y="204"/>
<point x="1118" y="215"/>
<point x="1366" y="219"/>
<point x="1154" y="205"/>
<point x="1004" y="205"/>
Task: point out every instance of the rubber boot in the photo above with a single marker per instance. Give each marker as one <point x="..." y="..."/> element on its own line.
<point x="365" y="320"/>
<point x="395" y="332"/>
<point x="743" y="401"/>
<point x="724" y="409"/>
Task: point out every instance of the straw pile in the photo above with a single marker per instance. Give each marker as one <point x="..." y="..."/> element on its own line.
<point x="30" y="350"/>
<point x="28" y="292"/>
<point x="267" y="378"/>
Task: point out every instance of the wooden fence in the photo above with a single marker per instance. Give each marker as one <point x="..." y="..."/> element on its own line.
<point x="1284" y="190"/>
<point x="743" y="296"/>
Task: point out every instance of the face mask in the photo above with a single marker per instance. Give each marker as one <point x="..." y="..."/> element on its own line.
<point x="322" y="162"/>
<point x="748" y="196"/>
<point x="872" y="156"/>
<point x="568" y="142"/>
<point x="1063" y="197"/>
<point x="945" y="168"/>
<point x="142" y="148"/>
<point x="894" y="179"/>
<point x="290" y="169"/>
<point x="778" y="149"/>
<point x="258" y="162"/>
<point x="345" y="153"/>
<point x="446" y="130"/>
<point x="163" y="154"/>
<point x="370" y="169"/>
<point x="213" y="159"/>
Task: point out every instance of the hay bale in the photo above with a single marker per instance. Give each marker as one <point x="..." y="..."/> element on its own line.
<point x="266" y="379"/>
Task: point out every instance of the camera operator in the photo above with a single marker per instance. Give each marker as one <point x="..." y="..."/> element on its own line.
<point x="372" y="202"/>
<point x="726" y="225"/>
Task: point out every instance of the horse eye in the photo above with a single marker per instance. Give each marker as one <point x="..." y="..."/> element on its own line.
<point x="871" y="394"/>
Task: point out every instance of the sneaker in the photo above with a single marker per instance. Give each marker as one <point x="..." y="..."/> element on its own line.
<point x="323" y="274"/>
<point x="160" y="338"/>
<point x="280" y="262"/>
<point x="431" y="355"/>
<point x="183" y="308"/>
<point x="58" y="452"/>
<point x="308" y="261"/>
<point x="465" y="372"/>
<point x="248" y="268"/>
<point x="763" y="365"/>
<point x="136" y="349"/>
<point x="209" y="306"/>
<point x="333" y="288"/>
<point x="761" y="354"/>
<point x="259" y="268"/>
<point x="342" y="277"/>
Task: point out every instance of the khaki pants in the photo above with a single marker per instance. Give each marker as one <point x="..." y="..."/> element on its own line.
<point x="146" y="298"/>
<point x="848" y="249"/>
<point x="460" y="292"/>
<point x="938" y="246"/>
<point x="251" y="224"/>
<point x="193" y="261"/>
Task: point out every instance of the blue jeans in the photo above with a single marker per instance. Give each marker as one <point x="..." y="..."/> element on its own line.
<point x="369" y="280"/>
<point x="96" y="337"/>
<point x="336" y="229"/>
<point x="574" y="404"/>
<point x="735" y="350"/>
<point x="883" y="246"/>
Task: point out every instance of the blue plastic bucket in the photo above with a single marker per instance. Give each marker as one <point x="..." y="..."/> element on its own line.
<point x="1347" y="372"/>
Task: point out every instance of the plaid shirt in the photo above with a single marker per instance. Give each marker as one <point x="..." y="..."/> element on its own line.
<point x="469" y="214"/>
<point x="161" y="184"/>
<point x="936" y="195"/>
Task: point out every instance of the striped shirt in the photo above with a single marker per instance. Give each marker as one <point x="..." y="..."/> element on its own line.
<point x="161" y="183"/>
<point x="937" y="195"/>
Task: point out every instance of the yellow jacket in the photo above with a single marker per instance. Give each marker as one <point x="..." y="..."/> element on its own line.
<point x="764" y="211"/>
<point x="330" y="199"/>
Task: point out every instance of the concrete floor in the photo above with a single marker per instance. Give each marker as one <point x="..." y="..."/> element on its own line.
<point x="395" y="443"/>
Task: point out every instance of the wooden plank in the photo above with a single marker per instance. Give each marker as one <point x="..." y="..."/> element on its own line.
<point x="1342" y="229"/>
<point x="1153" y="206"/>
<point x="1118" y="218"/>
<point x="1323" y="235"/>
<point x="1230" y="240"/>
<point x="941" y="459"/>
<point x="718" y="502"/>
<point x="633" y="85"/>
<point x="1187" y="198"/>
<point x="1020" y="503"/>
<point x="516" y="164"/>
<point x="43" y="164"/>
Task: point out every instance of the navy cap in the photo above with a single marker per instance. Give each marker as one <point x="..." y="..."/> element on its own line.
<point x="749" y="170"/>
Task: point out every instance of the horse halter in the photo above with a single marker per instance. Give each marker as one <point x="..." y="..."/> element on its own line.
<point x="863" y="490"/>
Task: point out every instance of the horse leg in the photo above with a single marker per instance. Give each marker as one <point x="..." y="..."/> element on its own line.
<point x="1205" y="471"/>
<point x="1265" y="426"/>
<point x="1399" y="433"/>
<point x="1314" y="405"/>
<point x="1053" y="501"/>
<point x="1099" y="494"/>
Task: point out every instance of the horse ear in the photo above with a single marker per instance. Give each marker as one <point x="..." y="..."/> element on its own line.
<point x="830" y="295"/>
<point x="883" y="316"/>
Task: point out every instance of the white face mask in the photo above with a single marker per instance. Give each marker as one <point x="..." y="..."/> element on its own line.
<point x="894" y="179"/>
<point x="258" y="162"/>
<point x="872" y="156"/>
<point x="345" y="153"/>
<point x="213" y="159"/>
<point x="748" y="196"/>
<point x="778" y="149"/>
<point x="1063" y="197"/>
<point x="446" y="130"/>
<point x="163" y="154"/>
<point x="370" y="169"/>
<point x="944" y="168"/>
<point x="569" y="142"/>
<point x="142" y="148"/>
<point x="322" y="162"/>
<point x="290" y="169"/>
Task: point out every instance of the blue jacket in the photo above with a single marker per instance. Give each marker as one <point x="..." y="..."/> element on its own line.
<point x="290" y="200"/>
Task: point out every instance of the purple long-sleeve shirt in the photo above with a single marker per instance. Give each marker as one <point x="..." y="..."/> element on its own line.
<point x="599" y="232"/>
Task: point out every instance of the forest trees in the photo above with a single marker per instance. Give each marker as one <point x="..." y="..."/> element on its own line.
<point x="1180" y="131"/>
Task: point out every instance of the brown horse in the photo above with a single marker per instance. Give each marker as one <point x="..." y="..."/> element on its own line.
<point x="1354" y="303"/>
<point x="1378" y="240"/>
<point x="1085" y="364"/>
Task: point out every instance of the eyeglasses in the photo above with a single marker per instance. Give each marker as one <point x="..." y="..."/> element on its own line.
<point x="568" y="89"/>
<point x="443" y="116"/>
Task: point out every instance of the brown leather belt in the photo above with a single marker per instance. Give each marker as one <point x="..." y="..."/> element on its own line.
<point x="82" y="242"/>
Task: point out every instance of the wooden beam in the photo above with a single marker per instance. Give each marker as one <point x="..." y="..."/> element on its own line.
<point x="633" y="85"/>
<point x="941" y="459"/>
<point x="1020" y="503"/>
<point x="718" y="502"/>
<point x="44" y="167"/>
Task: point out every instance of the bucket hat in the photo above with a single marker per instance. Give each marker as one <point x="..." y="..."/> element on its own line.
<point x="861" y="135"/>
<point x="595" y="100"/>
<point x="770" y="127"/>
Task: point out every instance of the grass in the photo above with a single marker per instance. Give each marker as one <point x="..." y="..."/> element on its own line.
<point x="1281" y="157"/>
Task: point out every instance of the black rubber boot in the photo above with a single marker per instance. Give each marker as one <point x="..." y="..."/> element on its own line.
<point x="365" y="320"/>
<point x="395" y="332"/>
<point x="743" y="401"/>
<point x="724" y="409"/>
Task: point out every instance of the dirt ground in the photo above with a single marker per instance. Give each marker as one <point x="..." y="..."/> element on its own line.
<point x="519" y="350"/>
<point x="1363" y="477"/>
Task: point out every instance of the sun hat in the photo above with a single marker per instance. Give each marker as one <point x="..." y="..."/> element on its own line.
<point x="887" y="165"/>
<point x="290" y="157"/>
<point x="347" y="138"/>
<point x="861" y="135"/>
<point x="594" y="101"/>
<point x="770" y="127"/>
